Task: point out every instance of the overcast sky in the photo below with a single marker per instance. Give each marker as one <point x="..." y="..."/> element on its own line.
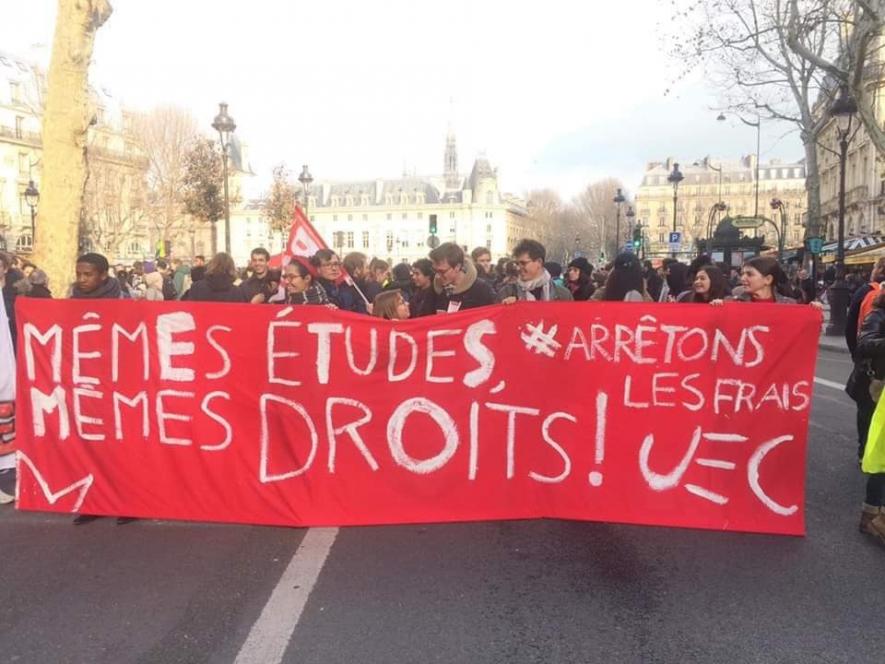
<point x="555" y="94"/>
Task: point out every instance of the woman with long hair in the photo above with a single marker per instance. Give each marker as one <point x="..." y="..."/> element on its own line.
<point x="625" y="282"/>
<point x="391" y="305"/>
<point x="763" y="280"/>
<point x="709" y="284"/>
<point x="578" y="279"/>
<point x="301" y="288"/>
<point x="218" y="284"/>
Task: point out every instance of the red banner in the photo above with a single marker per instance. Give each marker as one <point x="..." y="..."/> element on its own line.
<point x="680" y="415"/>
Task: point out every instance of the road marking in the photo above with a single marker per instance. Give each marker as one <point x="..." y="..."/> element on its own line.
<point x="829" y="383"/>
<point x="271" y="633"/>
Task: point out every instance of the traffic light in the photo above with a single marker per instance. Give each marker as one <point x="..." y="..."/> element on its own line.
<point x="637" y="238"/>
<point x="433" y="224"/>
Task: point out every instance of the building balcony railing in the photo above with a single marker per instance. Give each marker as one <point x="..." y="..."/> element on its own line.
<point x="25" y="137"/>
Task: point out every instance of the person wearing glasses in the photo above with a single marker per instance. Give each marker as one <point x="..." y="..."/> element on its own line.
<point x="300" y="286"/>
<point x="455" y="282"/>
<point x="342" y="295"/>
<point x="535" y="283"/>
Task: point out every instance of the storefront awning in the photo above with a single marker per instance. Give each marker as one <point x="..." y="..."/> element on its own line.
<point x="854" y="243"/>
<point x="866" y="256"/>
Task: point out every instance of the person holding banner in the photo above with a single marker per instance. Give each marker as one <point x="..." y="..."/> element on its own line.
<point x="456" y="285"/>
<point x="300" y="286"/>
<point x="391" y="305"/>
<point x="218" y="284"/>
<point x="625" y="282"/>
<point x="535" y="282"/>
<point x="709" y="284"/>
<point x="764" y="280"/>
<point x="343" y="295"/>
<point x="93" y="282"/>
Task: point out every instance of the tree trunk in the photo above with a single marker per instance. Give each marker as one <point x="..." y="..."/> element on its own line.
<point x="65" y="123"/>
<point x="814" y="226"/>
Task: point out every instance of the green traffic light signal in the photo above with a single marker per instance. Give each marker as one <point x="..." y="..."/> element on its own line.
<point x="433" y="224"/>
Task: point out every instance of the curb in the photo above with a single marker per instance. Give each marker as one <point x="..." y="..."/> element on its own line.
<point x="833" y="349"/>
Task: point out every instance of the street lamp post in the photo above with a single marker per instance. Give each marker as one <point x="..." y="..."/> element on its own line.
<point x="32" y="197"/>
<point x="778" y="204"/>
<point x="618" y="200"/>
<point x="306" y="179"/>
<point x="842" y="110"/>
<point x="675" y="178"/>
<point x="631" y="215"/>
<point x="225" y="126"/>
<point x="758" y="125"/>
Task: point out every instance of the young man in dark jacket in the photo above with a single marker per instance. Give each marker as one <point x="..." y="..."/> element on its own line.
<point x="456" y="285"/>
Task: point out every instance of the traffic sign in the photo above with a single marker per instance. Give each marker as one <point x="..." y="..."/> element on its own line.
<point x="747" y="222"/>
<point x="675" y="241"/>
<point x="432" y="241"/>
<point x="814" y="244"/>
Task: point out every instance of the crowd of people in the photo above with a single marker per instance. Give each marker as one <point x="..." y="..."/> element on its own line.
<point x="449" y="280"/>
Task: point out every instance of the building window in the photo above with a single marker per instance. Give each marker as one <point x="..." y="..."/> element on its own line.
<point x="661" y="238"/>
<point x="489" y="198"/>
<point x="23" y="163"/>
<point x="365" y="217"/>
<point x="334" y="217"/>
<point x="350" y="240"/>
<point x="19" y="126"/>
<point x="24" y="243"/>
<point x="420" y="215"/>
<point x="451" y="215"/>
<point x="15" y="92"/>
<point x="452" y="229"/>
<point x="350" y="217"/>
<point x="488" y="228"/>
<point x="365" y="239"/>
<point x="388" y="239"/>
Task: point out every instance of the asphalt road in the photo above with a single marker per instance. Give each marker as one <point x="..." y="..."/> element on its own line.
<point x="538" y="591"/>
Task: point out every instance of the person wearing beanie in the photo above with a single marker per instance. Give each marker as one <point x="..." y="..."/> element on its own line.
<point x="577" y="279"/>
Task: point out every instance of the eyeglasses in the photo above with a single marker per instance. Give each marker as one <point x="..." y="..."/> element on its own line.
<point x="332" y="264"/>
<point x="525" y="262"/>
<point x="442" y="270"/>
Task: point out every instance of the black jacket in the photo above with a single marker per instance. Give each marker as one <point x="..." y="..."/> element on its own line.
<point x="852" y="324"/>
<point x="215" y="288"/>
<point x="469" y="294"/>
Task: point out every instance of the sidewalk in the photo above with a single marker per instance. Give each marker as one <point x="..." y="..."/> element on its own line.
<point x="833" y="344"/>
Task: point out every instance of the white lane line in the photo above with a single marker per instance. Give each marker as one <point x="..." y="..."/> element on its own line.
<point x="271" y="633"/>
<point x="829" y="383"/>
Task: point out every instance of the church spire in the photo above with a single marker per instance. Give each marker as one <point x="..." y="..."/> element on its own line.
<point x="453" y="180"/>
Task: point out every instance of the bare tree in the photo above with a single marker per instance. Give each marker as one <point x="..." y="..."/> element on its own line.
<point x="113" y="206"/>
<point x="280" y="201"/>
<point x="203" y="180"/>
<point x="770" y="59"/>
<point x="857" y="64"/>
<point x="597" y="205"/>
<point x="164" y="136"/>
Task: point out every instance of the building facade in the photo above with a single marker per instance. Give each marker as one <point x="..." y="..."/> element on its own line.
<point x="864" y="167"/>
<point x="391" y="218"/>
<point x="709" y="181"/>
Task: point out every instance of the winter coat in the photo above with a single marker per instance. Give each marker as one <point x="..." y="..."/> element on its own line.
<point x="215" y="288"/>
<point x="778" y="298"/>
<point x="469" y="294"/>
<point x="422" y="302"/>
<point x="343" y="296"/>
<point x="581" y="290"/>
<point x="869" y="356"/>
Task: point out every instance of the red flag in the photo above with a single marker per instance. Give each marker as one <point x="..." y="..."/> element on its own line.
<point x="304" y="242"/>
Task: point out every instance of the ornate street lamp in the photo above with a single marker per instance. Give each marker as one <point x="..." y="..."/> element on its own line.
<point x="675" y="178"/>
<point x="306" y="179"/>
<point x="778" y="204"/>
<point x="618" y="200"/>
<point x="630" y="214"/>
<point x="225" y="126"/>
<point x="32" y="197"/>
<point x="758" y="126"/>
<point x="842" y="111"/>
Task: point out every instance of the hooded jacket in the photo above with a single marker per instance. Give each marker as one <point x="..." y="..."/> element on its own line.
<point x="215" y="288"/>
<point x="470" y="293"/>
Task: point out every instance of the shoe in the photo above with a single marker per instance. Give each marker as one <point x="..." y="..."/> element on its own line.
<point x="868" y="513"/>
<point x="123" y="520"/>
<point x="80" y="519"/>
<point x="876" y="527"/>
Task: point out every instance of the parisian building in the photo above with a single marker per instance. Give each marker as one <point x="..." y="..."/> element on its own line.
<point x="391" y="218"/>
<point x="709" y="181"/>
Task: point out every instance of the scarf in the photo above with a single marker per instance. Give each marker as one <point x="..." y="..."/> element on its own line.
<point x="544" y="282"/>
<point x="108" y="290"/>
<point x="313" y="294"/>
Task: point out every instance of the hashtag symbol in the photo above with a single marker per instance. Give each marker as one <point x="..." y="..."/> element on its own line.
<point x="539" y="341"/>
